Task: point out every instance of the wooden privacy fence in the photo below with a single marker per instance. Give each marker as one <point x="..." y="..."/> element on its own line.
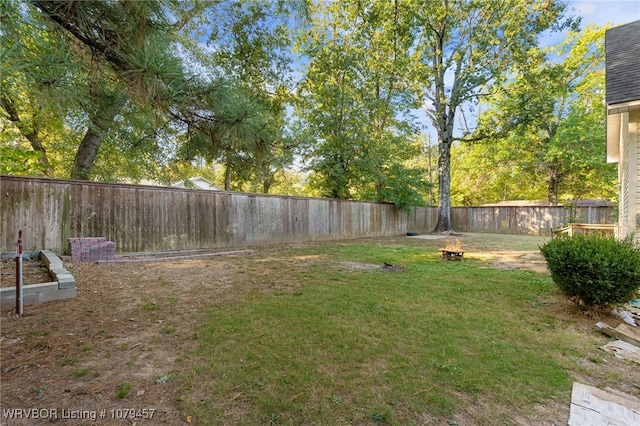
<point x="147" y="218"/>
<point x="533" y="220"/>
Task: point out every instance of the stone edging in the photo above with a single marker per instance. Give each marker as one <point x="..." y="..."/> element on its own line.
<point x="63" y="286"/>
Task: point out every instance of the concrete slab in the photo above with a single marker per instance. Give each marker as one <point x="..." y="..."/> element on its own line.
<point x="430" y="237"/>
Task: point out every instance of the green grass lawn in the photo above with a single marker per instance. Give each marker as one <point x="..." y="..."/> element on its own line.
<point x="439" y="343"/>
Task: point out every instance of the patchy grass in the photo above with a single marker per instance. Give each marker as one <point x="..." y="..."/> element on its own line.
<point x="68" y="361"/>
<point x="151" y="306"/>
<point x="168" y="329"/>
<point x="123" y="390"/>
<point x="317" y="333"/>
<point x="81" y="372"/>
<point x="367" y="346"/>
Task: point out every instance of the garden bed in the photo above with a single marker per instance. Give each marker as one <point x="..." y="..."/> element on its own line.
<point x="58" y="283"/>
<point x="34" y="271"/>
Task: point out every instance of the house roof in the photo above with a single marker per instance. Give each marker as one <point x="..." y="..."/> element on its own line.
<point x="622" y="49"/>
<point x="199" y="183"/>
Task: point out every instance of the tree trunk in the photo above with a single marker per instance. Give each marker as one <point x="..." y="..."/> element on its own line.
<point x="266" y="184"/>
<point x="86" y="155"/>
<point x="552" y="187"/>
<point x="444" y="184"/>
<point x="31" y="135"/>
<point x="107" y="106"/>
<point x="36" y="144"/>
<point x="443" y="119"/>
<point x="227" y="172"/>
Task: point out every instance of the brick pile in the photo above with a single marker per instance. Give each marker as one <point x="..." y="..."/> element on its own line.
<point x="92" y="249"/>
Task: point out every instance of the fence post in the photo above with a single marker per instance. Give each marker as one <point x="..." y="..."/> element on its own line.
<point x="19" y="303"/>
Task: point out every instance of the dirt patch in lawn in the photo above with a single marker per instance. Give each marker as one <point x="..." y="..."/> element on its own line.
<point x="131" y="326"/>
<point x="120" y="342"/>
<point x="359" y="266"/>
<point x="519" y="260"/>
<point x="523" y="251"/>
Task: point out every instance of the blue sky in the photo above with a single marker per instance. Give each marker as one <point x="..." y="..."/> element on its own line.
<point x="602" y="12"/>
<point x="598" y="12"/>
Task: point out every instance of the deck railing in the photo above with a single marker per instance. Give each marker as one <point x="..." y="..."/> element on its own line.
<point x="603" y="230"/>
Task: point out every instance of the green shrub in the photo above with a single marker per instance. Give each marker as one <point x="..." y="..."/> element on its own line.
<point x="594" y="270"/>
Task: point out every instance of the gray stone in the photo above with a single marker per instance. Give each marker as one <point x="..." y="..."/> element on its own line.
<point x="50" y="259"/>
<point x="64" y="286"/>
<point x="66" y="281"/>
<point x="32" y="293"/>
<point x="55" y="272"/>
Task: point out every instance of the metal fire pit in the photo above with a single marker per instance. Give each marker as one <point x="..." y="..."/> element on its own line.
<point x="452" y="254"/>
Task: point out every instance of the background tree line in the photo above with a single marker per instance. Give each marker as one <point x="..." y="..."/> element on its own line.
<point x="309" y="97"/>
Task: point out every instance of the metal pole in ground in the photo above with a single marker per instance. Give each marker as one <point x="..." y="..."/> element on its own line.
<point x="19" y="304"/>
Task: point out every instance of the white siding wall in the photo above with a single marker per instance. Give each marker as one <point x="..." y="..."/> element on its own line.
<point x="629" y="174"/>
<point x="634" y="142"/>
<point x="623" y="175"/>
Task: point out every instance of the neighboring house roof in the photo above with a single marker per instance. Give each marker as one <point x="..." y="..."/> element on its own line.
<point x="622" y="51"/>
<point x="198" y="182"/>
<point x="148" y="182"/>
<point x="622" y="46"/>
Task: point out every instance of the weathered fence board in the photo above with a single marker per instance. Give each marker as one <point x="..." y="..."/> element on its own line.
<point x="532" y="220"/>
<point x="145" y="218"/>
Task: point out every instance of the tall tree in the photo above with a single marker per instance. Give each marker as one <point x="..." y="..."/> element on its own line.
<point x="467" y="48"/>
<point x="248" y="44"/>
<point x="230" y="137"/>
<point x="77" y="64"/>
<point x="552" y="118"/>
<point x="129" y="39"/>
<point x="355" y="101"/>
<point x="38" y="78"/>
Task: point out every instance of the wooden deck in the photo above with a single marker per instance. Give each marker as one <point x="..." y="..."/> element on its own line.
<point x="603" y="230"/>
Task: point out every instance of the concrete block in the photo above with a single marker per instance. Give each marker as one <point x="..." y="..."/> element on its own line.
<point x="30" y="299"/>
<point x="7" y="297"/>
<point x="66" y="281"/>
<point x="32" y="293"/>
<point x="63" y="288"/>
<point x="56" y="267"/>
<point x="67" y="293"/>
<point x="57" y="271"/>
<point x="50" y="259"/>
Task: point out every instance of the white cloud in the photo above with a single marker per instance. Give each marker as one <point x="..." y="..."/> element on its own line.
<point x="602" y="12"/>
